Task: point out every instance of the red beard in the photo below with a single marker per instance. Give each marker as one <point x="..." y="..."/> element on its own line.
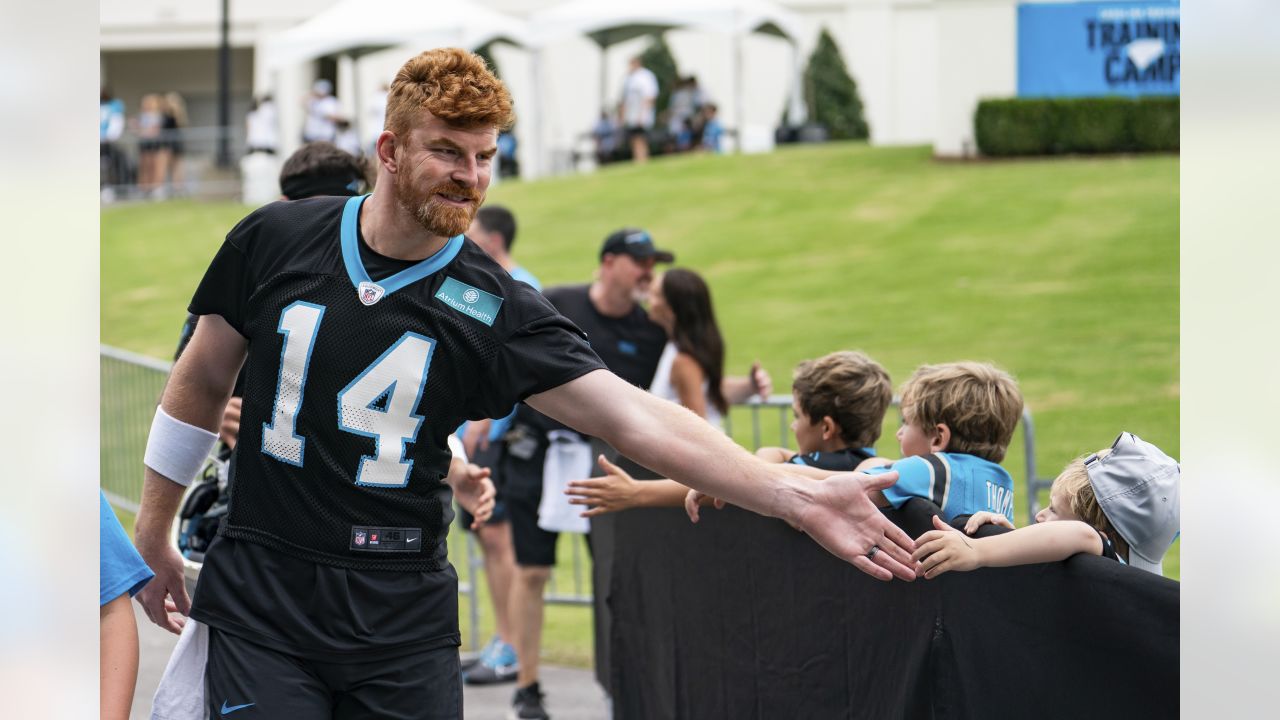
<point x="436" y="216"/>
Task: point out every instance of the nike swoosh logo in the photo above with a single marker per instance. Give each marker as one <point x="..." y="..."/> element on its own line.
<point x="409" y="540"/>
<point x="228" y="710"/>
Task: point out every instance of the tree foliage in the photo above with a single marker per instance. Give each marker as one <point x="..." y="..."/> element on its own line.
<point x="659" y="60"/>
<point x="831" y="93"/>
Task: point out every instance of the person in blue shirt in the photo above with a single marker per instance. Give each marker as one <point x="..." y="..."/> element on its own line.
<point x="122" y="573"/>
<point x="957" y="421"/>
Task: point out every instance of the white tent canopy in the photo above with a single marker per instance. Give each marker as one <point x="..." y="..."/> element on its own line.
<point x="356" y="27"/>
<point x="608" y="22"/>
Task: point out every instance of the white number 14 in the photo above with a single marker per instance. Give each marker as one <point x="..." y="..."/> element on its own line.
<point x="379" y="403"/>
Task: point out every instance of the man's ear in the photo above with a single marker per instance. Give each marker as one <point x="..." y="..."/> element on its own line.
<point x="386" y="150"/>
<point x="941" y="438"/>
<point x="829" y="428"/>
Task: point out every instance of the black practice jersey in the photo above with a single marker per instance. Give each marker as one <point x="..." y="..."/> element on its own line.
<point x="358" y="369"/>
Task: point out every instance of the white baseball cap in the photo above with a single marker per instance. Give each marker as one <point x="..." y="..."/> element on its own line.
<point x="1136" y="485"/>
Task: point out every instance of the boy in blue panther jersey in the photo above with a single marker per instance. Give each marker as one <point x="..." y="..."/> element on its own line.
<point x="957" y="421"/>
<point x="839" y="401"/>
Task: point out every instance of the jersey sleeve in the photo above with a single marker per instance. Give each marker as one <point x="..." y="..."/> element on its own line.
<point x="916" y="478"/>
<point x="545" y="353"/>
<point x="1108" y="547"/>
<point x="121" y="569"/>
<point x="229" y="280"/>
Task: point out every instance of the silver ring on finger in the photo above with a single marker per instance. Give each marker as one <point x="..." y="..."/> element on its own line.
<point x="872" y="552"/>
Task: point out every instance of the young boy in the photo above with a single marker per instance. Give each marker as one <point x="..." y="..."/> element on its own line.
<point x="839" y="401"/>
<point x="1120" y="503"/>
<point x="839" y="404"/>
<point x="957" y="421"/>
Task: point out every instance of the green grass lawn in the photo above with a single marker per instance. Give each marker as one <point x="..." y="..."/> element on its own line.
<point x="1064" y="272"/>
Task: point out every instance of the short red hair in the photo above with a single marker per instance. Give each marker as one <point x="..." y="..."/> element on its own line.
<point x="454" y="85"/>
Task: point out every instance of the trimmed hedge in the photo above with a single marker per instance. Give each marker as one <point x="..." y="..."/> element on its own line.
<point x="1076" y="125"/>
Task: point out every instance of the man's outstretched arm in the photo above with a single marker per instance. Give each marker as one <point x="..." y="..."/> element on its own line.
<point x="669" y="439"/>
<point x="196" y="393"/>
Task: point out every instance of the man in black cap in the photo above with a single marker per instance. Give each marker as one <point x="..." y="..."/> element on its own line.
<point x="630" y="345"/>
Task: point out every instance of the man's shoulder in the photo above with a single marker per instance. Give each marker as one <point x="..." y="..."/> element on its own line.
<point x="287" y="221"/>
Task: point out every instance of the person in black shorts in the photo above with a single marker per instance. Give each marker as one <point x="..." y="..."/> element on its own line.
<point x="630" y="344"/>
<point x="370" y="328"/>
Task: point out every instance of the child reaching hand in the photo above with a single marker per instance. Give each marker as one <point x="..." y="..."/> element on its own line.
<point x="1120" y="503"/>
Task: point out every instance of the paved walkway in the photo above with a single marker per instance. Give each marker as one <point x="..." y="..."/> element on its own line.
<point x="572" y="694"/>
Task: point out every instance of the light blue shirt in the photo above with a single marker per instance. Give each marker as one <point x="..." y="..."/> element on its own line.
<point x="121" y="569"/>
<point x="959" y="483"/>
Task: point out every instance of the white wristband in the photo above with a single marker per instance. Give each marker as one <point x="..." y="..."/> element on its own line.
<point x="177" y="450"/>
<point x="455" y="447"/>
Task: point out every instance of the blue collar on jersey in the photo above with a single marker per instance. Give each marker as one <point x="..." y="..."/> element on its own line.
<point x="412" y="274"/>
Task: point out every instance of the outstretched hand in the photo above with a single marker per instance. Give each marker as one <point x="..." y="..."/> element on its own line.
<point x="841" y="518"/>
<point x="695" y="499"/>
<point x="610" y="493"/>
<point x="760" y="380"/>
<point x="475" y="493"/>
<point x="944" y="549"/>
<point x="984" y="517"/>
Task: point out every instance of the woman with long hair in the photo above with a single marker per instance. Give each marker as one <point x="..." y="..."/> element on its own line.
<point x="692" y="365"/>
<point x="690" y="372"/>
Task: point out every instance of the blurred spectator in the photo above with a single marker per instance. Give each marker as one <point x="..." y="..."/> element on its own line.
<point x="686" y="100"/>
<point x="639" y="92"/>
<point x="508" y="165"/>
<point x="605" y="134"/>
<point x="148" y="127"/>
<point x="346" y="138"/>
<point x="712" y="130"/>
<point x="174" y="122"/>
<point x="261" y="126"/>
<point x="322" y="113"/>
<point x="321" y="168"/>
<point x="113" y="167"/>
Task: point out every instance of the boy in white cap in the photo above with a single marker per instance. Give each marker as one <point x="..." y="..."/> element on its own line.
<point x="1121" y="503"/>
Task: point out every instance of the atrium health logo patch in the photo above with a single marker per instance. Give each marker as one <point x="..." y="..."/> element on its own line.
<point x="470" y="301"/>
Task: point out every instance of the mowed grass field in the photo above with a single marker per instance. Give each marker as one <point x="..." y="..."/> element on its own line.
<point x="1064" y="272"/>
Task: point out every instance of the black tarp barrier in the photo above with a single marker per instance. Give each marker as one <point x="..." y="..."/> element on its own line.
<point x="741" y="616"/>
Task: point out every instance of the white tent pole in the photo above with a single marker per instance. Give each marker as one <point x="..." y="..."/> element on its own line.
<point x="799" y="114"/>
<point x="534" y="169"/>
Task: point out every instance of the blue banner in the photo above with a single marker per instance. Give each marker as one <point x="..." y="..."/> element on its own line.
<point x="1098" y="48"/>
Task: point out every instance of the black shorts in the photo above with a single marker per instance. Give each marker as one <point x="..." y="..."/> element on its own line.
<point x="247" y="680"/>
<point x="522" y="487"/>
<point x="634" y="130"/>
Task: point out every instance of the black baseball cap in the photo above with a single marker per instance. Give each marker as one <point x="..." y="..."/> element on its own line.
<point x="636" y="243"/>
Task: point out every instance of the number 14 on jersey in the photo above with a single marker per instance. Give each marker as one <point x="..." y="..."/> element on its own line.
<point x="378" y="403"/>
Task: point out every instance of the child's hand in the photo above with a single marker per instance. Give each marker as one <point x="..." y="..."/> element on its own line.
<point x="613" y="492"/>
<point x="944" y="549"/>
<point x="694" y="500"/>
<point x="982" y="517"/>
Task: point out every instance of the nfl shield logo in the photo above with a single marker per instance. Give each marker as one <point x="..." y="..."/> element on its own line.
<point x="359" y="537"/>
<point x="370" y="293"/>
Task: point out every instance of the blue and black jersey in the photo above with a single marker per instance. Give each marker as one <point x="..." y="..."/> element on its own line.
<point x="845" y="460"/>
<point x="959" y="483"/>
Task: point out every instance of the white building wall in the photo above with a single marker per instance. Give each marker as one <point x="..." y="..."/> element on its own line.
<point x="978" y="58"/>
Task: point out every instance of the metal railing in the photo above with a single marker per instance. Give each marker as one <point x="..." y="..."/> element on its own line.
<point x="132" y="384"/>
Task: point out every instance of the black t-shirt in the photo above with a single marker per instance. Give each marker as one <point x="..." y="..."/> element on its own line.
<point x="845" y="460"/>
<point x="359" y="367"/>
<point x="630" y="346"/>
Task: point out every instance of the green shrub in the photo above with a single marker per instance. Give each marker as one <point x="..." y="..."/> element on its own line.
<point x="831" y="94"/>
<point x="1008" y="127"/>
<point x="659" y="60"/>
